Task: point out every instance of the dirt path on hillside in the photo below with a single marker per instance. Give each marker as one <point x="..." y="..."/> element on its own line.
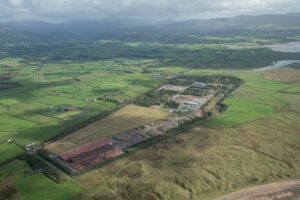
<point x="288" y="190"/>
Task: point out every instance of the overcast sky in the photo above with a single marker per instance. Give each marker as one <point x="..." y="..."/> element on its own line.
<point x="65" y="10"/>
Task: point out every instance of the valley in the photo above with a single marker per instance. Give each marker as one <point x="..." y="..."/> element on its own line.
<point x="192" y="110"/>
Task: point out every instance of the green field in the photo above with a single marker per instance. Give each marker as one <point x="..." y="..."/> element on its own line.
<point x="12" y="124"/>
<point x="254" y="142"/>
<point x="257" y="99"/>
<point x="34" y="187"/>
<point x="23" y="109"/>
<point x="25" y="116"/>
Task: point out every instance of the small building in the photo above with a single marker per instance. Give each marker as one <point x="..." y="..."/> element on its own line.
<point x="191" y="103"/>
<point x="199" y="84"/>
<point x="129" y="138"/>
<point x="199" y="114"/>
<point x="175" y="88"/>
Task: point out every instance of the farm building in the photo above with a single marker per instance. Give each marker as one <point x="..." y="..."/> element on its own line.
<point x="189" y="102"/>
<point x="198" y="84"/>
<point x="180" y="99"/>
<point x="130" y="138"/>
<point x="174" y="88"/>
<point x="190" y="105"/>
<point x="86" y="148"/>
<point x="199" y="114"/>
<point x="164" y="126"/>
<point x="62" y="108"/>
<point x="94" y="157"/>
<point x="90" y="154"/>
<point x="125" y="135"/>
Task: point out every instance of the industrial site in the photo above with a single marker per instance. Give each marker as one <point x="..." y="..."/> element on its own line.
<point x="179" y="101"/>
<point x="149" y="100"/>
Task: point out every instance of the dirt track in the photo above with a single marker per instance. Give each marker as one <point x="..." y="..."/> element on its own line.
<point x="289" y="190"/>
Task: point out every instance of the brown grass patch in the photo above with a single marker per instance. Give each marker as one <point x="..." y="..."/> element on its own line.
<point x="284" y="74"/>
<point x="129" y="117"/>
<point x="281" y="190"/>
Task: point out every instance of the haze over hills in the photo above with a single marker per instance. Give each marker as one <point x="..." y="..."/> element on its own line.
<point x="111" y="28"/>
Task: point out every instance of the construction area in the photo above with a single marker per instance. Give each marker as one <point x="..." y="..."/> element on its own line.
<point x="183" y="98"/>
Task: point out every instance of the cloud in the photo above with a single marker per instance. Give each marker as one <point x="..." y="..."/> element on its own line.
<point x="16" y="3"/>
<point x="63" y="10"/>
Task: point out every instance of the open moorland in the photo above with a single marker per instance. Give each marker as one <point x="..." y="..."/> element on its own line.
<point x="217" y="157"/>
<point x="50" y="88"/>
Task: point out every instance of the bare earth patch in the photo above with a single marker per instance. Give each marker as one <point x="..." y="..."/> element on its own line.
<point x="274" y="191"/>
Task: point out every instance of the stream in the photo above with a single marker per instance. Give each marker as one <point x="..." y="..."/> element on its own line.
<point x="279" y="64"/>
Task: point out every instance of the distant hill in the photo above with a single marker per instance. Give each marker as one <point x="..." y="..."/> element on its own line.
<point x="139" y="28"/>
<point x="238" y="22"/>
<point x="83" y="27"/>
<point x="261" y="20"/>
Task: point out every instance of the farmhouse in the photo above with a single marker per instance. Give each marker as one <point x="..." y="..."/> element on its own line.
<point x="62" y="108"/>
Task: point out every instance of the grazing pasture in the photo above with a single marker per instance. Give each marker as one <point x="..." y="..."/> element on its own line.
<point x="43" y="85"/>
<point x="36" y="186"/>
<point x="261" y="124"/>
<point x="13" y="124"/>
